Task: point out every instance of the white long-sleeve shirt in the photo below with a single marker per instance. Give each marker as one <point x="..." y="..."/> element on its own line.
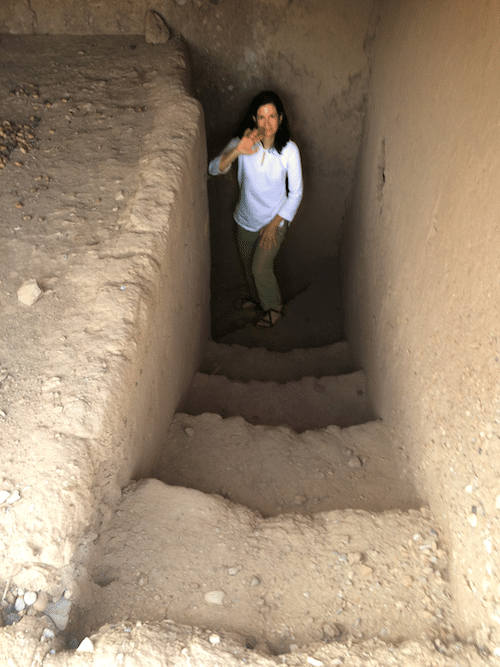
<point x="263" y="188"/>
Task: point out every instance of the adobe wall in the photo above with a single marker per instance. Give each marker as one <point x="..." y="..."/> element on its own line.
<point x="422" y="267"/>
<point x="120" y="353"/>
<point x="312" y="52"/>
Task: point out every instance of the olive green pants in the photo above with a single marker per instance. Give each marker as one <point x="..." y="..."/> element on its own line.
<point x="258" y="266"/>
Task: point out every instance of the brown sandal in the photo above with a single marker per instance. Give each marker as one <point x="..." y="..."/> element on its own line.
<point x="269" y="319"/>
<point x="246" y="304"/>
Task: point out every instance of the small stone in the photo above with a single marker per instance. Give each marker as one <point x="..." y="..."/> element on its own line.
<point x="214" y="597"/>
<point x="189" y="431"/>
<point x="18" y="204"/>
<point x="299" y="500"/>
<point x="3" y="496"/>
<point x="355" y="462"/>
<point x="29" y="292"/>
<point x="19" y="604"/>
<point x="365" y="571"/>
<point x="13" y="497"/>
<point x="354" y="558"/>
<point x="59" y="613"/>
<point x="314" y="662"/>
<point x="214" y="639"/>
<point x="86" y="646"/>
<point x="156" y="30"/>
<point x="472" y="519"/>
<point x="330" y="631"/>
<point x="255" y="581"/>
<point x="30" y="598"/>
<point x="232" y="571"/>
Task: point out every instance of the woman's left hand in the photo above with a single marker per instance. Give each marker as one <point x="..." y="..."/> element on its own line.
<point x="269" y="233"/>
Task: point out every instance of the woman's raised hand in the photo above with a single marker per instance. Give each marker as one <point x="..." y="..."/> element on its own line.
<point x="248" y="141"/>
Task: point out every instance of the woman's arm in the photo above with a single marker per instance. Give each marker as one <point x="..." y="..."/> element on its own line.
<point x="295" y="184"/>
<point x="244" y="146"/>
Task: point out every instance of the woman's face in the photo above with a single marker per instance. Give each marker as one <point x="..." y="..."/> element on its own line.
<point x="267" y="119"/>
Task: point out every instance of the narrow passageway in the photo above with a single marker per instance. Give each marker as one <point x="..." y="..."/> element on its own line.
<point x="173" y="497"/>
<point x="278" y="513"/>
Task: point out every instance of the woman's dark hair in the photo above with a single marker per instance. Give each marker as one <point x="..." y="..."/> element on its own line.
<point x="248" y="122"/>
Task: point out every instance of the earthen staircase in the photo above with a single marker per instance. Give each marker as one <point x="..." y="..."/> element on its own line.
<point x="285" y="518"/>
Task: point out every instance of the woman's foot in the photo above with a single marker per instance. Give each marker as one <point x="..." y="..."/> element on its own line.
<point x="269" y="319"/>
<point x="246" y="304"/>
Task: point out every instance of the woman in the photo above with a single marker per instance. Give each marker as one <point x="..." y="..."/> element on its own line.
<point x="270" y="180"/>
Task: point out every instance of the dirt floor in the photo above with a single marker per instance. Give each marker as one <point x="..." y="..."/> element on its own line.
<point x="323" y="585"/>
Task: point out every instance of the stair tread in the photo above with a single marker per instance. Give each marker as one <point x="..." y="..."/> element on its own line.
<point x="169" y="643"/>
<point x="274" y="470"/>
<point x="265" y="578"/>
<point x="305" y="404"/>
<point x="241" y="363"/>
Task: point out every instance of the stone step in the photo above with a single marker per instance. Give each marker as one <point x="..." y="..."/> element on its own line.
<point x="275" y="583"/>
<point x="165" y="643"/>
<point x="274" y="470"/>
<point x="237" y="362"/>
<point x="306" y="404"/>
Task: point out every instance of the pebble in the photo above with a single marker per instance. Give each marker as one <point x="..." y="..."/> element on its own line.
<point x="86" y="646"/>
<point x="330" y="631"/>
<point x="189" y="431"/>
<point x="214" y="597"/>
<point x="314" y="662"/>
<point x="214" y="639"/>
<point x="355" y="462"/>
<point x="255" y="582"/>
<point x="19" y="604"/>
<point x="59" y="613"/>
<point x="13" y="497"/>
<point x="354" y="558"/>
<point x="232" y="571"/>
<point x="3" y="496"/>
<point x="29" y="292"/>
<point x="41" y="602"/>
<point x="30" y="598"/>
